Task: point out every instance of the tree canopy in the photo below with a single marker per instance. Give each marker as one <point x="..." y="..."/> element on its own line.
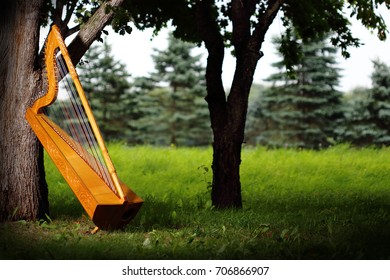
<point x="235" y="18"/>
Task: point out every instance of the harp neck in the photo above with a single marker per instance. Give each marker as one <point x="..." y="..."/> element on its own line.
<point x="53" y="42"/>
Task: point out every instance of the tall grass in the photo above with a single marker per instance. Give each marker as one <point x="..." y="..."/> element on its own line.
<point x="330" y="204"/>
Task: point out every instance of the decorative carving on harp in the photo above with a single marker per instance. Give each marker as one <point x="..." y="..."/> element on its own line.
<point x="75" y="144"/>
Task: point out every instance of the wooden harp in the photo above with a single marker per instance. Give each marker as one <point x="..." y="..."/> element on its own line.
<point x="75" y="143"/>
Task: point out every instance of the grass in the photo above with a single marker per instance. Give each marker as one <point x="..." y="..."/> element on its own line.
<point x="331" y="204"/>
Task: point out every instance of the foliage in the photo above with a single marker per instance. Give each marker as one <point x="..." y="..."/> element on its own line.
<point x="172" y="105"/>
<point x="329" y="204"/>
<point x="309" y="18"/>
<point x="379" y="106"/>
<point x="358" y="129"/>
<point x="62" y="12"/>
<point x="368" y="111"/>
<point x="303" y="108"/>
<point x="147" y="109"/>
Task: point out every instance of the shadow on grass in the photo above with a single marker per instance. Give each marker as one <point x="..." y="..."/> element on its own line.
<point x="71" y="209"/>
<point x="168" y="228"/>
<point x="155" y="213"/>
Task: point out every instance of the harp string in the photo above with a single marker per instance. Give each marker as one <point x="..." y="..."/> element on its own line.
<point x="82" y="129"/>
<point x="70" y="113"/>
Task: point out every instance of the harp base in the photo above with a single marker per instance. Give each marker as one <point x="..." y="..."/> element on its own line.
<point x="110" y="217"/>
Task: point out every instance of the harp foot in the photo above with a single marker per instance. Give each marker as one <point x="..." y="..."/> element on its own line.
<point x="95" y="230"/>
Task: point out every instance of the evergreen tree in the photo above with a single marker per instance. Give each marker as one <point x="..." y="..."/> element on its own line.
<point x="146" y="111"/>
<point x="359" y="128"/>
<point x="175" y="111"/>
<point x="303" y="108"/>
<point x="379" y="106"/>
<point x="105" y="82"/>
<point x="368" y="116"/>
<point x="255" y="124"/>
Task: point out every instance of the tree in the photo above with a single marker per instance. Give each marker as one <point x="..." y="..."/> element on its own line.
<point x="180" y="75"/>
<point x="379" y="105"/>
<point x="105" y="81"/>
<point x="303" y="108"/>
<point x="147" y="110"/>
<point x="243" y="24"/>
<point x="23" y="191"/>
<point x="359" y="128"/>
<point x="255" y="124"/>
<point x="368" y="111"/>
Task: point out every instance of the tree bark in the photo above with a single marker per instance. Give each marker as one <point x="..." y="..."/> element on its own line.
<point x="228" y="114"/>
<point x="23" y="191"/>
<point x="92" y="30"/>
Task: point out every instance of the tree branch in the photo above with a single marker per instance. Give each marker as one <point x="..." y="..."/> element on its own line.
<point x="72" y="30"/>
<point x="209" y="31"/>
<point x="241" y="13"/>
<point x="246" y="62"/>
<point x="211" y="36"/>
<point x="69" y="11"/>
<point x="91" y="30"/>
<point x="57" y="13"/>
<point x="264" y="22"/>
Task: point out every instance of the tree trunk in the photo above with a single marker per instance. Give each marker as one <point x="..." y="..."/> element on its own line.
<point x="23" y="191"/>
<point x="229" y="135"/>
<point x="228" y="114"/>
<point x="226" y="185"/>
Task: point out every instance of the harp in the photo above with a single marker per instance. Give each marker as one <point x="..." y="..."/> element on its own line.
<point x="75" y="143"/>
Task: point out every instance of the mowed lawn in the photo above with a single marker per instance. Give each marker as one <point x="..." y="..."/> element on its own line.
<point x="329" y="204"/>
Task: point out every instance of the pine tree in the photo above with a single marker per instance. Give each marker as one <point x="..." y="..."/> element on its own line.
<point x="368" y="115"/>
<point x="145" y="112"/>
<point x="255" y="124"/>
<point x="303" y="108"/>
<point x="105" y="81"/>
<point x="359" y="128"/>
<point x="174" y="111"/>
<point x="379" y="106"/>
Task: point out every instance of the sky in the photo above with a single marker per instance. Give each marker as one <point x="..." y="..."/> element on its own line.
<point x="135" y="51"/>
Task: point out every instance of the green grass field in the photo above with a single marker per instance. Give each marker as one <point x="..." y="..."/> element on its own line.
<point x="331" y="204"/>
